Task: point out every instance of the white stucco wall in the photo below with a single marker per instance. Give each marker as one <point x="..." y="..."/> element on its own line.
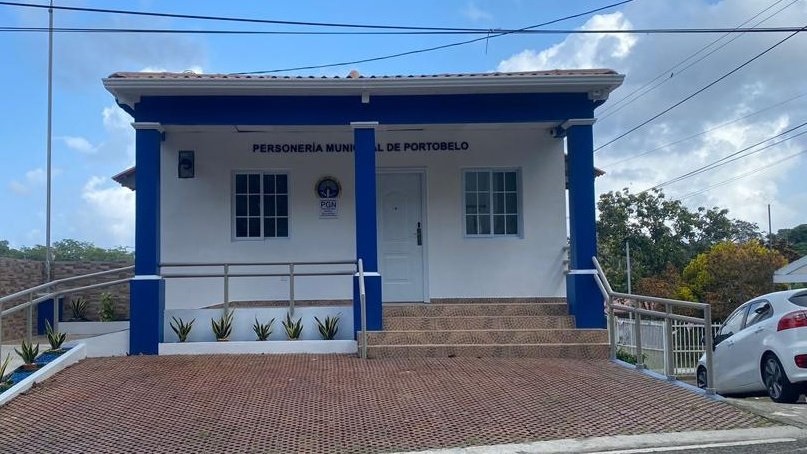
<point x="196" y="214"/>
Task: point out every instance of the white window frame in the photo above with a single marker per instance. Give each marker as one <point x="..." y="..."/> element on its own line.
<point x="233" y="215"/>
<point x="519" y="203"/>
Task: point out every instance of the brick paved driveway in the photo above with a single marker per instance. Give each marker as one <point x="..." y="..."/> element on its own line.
<point x="299" y="403"/>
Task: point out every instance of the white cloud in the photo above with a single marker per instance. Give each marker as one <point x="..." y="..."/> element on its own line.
<point x="776" y="77"/>
<point x="111" y="212"/>
<point x="80" y="144"/>
<point x="196" y="69"/>
<point x="579" y="51"/>
<point x="18" y="188"/>
<point x="475" y="13"/>
<point x="33" y="178"/>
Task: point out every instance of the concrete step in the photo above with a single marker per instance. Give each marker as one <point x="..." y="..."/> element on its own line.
<point x="480" y="337"/>
<point x="518" y="300"/>
<point x="477" y="309"/>
<point x="567" y="351"/>
<point x="448" y="323"/>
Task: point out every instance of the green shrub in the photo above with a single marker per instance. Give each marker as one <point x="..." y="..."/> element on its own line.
<point x="293" y="328"/>
<point x="628" y="357"/>
<point x="262" y="330"/>
<point x="328" y="328"/>
<point x="55" y="338"/>
<point x="107" y="311"/>
<point x="5" y="383"/>
<point x="223" y="327"/>
<point x="181" y="328"/>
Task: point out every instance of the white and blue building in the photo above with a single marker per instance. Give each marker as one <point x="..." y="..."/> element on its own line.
<point x="446" y="186"/>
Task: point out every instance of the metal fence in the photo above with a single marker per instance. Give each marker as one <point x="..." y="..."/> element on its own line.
<point x="687" y="341"/>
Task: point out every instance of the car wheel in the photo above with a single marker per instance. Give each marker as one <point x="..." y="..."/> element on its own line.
<point x="701" y="378"/>
<point x="779" y="387"/>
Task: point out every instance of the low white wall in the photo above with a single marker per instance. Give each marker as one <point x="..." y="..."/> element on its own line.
<point x="244" y="318"/>
<point x="92" y="328"/>
<point x="269" y="347"/>
<point x="72" y="356"/>
<point x="112" y="344"/>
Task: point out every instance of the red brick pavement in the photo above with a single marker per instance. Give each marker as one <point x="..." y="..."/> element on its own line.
<point x="324" y="404"/>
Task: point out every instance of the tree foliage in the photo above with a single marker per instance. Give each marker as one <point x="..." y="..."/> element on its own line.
<point x="729" y="274"/>
<point x="68" y="250"/>
<point x="662" y="233"/>
<point x="794" y="239"/>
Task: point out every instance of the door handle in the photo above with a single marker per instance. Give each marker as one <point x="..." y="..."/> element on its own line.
<point x="420" y="235"/>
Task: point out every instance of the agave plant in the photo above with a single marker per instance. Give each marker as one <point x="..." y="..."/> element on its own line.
<point x="329" y="327"/>
<point x="223" y="326"/>
<point x="55" y="338"/>
<point x="262" y="330"/>
<point x="107" y="311"/>
<point x="5" y="383"/>
<point x="78" y="308"/>
<point x="28" y="353"/>
<point x="181" y="328"/>
<point x="293" y="328"/>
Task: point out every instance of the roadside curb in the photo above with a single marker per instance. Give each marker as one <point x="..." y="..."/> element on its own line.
<point x="622" y="442"/>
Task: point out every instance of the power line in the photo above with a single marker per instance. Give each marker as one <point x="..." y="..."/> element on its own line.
<point x="742" y="175"/>
<point x="734" y="156"/>
<point x="701" y="90"/>
<point x="643" y="31"/>
<point x="705" y="131"/>
<point x="430" y="49"/>
<point x="612" y="107"/>
<point x="273" y="21"/>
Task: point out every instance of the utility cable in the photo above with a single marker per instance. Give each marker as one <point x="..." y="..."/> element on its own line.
<point x="731" y="157"/>
<point x="702" y="89"/>
<point x="705" y="131"/>
<point x="433" y="48"/>
<point x="643" y="31"/>
<point x="743" y="175"/>
<point x="615" y="106"/>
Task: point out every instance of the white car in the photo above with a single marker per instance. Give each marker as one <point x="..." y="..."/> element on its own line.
<point x="762" y="346"/>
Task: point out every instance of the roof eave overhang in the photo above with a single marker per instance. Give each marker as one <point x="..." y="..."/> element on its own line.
<point x="129" y="91"/>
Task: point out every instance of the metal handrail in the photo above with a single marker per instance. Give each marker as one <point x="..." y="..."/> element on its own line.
<point x="363" y="304"/>
<point x="54" y="295"/>
<point x="667" y="315"/>
<point x="226" y="274"/>
<point x="47" y="285"/>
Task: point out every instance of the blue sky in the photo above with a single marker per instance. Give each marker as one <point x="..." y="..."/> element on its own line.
<point x="92" y="139"/>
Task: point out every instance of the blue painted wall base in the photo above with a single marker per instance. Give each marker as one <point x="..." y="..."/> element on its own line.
<point x="146" y="315"/>
<point x="45" y="312"/>
<point x="585" y="301"/>
<point x="372" y="290"/>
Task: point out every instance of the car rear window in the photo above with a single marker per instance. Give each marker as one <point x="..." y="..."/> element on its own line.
<point x="799" y="299"/>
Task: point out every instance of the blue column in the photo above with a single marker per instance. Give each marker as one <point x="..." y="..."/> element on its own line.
<point x="585" y="299"/>
<point x="366" y="234"/>
<point x="147" y="289"/>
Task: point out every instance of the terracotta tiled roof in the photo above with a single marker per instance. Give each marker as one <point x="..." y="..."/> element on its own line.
<point x="191" y="75"/>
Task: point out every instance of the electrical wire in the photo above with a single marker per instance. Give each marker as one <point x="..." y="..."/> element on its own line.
<point x="433" y="48"/>
<point x="701" y="90"/>
<point x="742" y="175"/>
<point x="705" y="131"/>
<point x="732" y="157"/>
<point x="644" y="31"/>
<point x="617" y="105"/>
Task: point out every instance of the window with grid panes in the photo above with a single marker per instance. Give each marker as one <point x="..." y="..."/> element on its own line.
<point x="491" y="202"/>
<point x="261" y="205"/>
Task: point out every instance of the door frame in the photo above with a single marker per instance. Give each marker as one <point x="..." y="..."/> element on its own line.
<point x="424" y="196"/>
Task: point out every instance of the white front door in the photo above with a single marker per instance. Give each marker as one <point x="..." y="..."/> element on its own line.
<point x="400" y="236"/>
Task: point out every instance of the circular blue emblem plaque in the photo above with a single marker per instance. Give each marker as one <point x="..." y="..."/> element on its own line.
<point x="328" y="188"/>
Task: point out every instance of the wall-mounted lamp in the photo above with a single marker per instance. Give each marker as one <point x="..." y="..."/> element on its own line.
<point x="185" y="164"/>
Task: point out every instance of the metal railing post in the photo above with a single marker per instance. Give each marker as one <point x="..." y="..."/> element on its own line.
<point x="1" y="325"/>
<point x="611" y="329"/>
<point x="709" y="341"/>
<point x="669" y="354"/>
<point x="226" y="286"/>
<point x="55" y="323"/>
<point x="291" y="289"/>
<point x="637" y="337"/>
<point x="30" y="318"/>
<point x="363" y="304"/>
